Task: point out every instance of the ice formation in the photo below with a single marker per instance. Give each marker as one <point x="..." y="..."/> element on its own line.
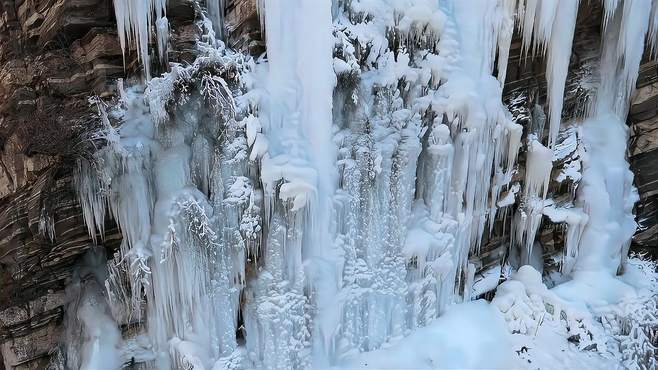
<point x="134" y="22"/>
<point x="216" y="14"/>
<point x="310" y="208"/>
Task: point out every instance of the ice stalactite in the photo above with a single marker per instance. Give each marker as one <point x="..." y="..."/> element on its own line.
<point x="134" y="22"/>
<point x="635" y="20"/>
<point x="538" y="171"/>
<point x="557" y="67"/>
<point x="216" y="15"/>
<point x="548" y="29"/>
<point x="609" y="7"/>
<point x="538" y="22"/>
<point x="162" y="34"/>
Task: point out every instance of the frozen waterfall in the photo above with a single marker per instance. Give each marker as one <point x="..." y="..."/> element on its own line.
<point x="329" y="202"/>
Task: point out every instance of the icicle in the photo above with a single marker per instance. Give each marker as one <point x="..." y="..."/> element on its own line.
<point x="162" y="32"/>
<point x="549" y="26"/>
<point x="134" y="22"/>
<point x="559" y="55"/>
<point x="216" y="14"/>
<point x="540" y="18"/>
<point x="634" y="26"/>
<point x="538" y="172"/>
<point x="92" y="200"/>
<point x="609" y="7"/>
<point x="528" y="24"/>
<point x="505" y="31"/>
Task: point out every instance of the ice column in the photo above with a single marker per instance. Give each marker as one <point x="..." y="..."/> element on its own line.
<point x="607" y="192"/>
<point x="298" y="177"/>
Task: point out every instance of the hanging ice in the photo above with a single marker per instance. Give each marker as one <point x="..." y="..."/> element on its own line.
<point x="607" y="192"/>
<point x="134" y="22"/>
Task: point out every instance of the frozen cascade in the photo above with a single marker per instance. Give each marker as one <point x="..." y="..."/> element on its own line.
<point x="548" y="29"/>
<point x="293" y="211"/>
<point x="161" y="160"/>
<point x="183" y="252"/>
<point x="298" y="176"/>
<point x="426" y="114"/>
<point x="608" y="194"/>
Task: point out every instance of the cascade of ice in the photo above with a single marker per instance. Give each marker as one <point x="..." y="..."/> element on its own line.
<point x="272" y="220"/>
<point x="317" y="81"/>
<point x="297" y="171"/>
<point x="93" y="339"/>
<point x="485" y="119"/>
<point x="414" y="135"/>
<point x="182" y="259"/>
<point x="607" y="190"/>
<point x="134" y="22"/>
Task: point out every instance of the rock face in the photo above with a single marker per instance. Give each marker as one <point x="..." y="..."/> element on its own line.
<point x="643" y="153"/>
<point x="55" y="54"/>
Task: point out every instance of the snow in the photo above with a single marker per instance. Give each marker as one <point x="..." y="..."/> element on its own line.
<point x="469" y="336"/>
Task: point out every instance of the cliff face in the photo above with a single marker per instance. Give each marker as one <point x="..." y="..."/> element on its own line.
<point x="56" y="54"/>
<point x="643" y="154"/>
